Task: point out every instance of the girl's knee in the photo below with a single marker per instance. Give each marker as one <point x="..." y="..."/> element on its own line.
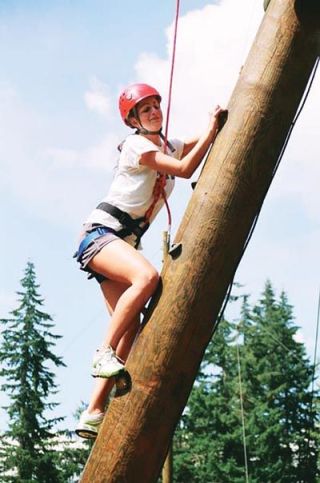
<point x="149" y="279"/>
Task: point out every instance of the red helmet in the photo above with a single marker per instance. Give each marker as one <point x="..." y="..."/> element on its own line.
<point x="132" y="95"/>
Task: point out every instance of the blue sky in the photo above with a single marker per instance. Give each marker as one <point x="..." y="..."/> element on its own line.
<point x="63" y="64"/>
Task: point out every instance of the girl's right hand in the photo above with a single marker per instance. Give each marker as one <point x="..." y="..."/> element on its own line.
<point x="214" y="120"/>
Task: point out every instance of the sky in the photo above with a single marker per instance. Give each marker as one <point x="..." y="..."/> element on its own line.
<point x="63" y="65"/>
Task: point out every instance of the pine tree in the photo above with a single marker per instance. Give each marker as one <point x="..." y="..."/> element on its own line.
<point x="75" y="453"/>
<point x="25" y="355"/>
<point x="281" y="441"/>
<point x="208" y="444"/>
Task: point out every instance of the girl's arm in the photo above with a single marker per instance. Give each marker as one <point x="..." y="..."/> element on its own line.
<point x="185" y="167"/>
<point x="188" y="145"/>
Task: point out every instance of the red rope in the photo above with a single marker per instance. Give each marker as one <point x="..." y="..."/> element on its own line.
<point x="171" y="73"/>
<point x="157" y="193"/>
<point x="159" y="188"/>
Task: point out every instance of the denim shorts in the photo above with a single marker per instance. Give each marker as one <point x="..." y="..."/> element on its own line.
<point x="93" y="249"/>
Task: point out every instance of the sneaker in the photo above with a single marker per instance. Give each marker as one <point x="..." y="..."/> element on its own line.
<point x="89" y="425"/>
<point x="106" y="363"/>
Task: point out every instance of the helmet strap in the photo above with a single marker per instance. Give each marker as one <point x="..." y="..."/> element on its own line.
<point x="143" y="130"/>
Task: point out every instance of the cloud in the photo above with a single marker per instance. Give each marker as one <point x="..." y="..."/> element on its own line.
<point x="67" y="173"/>
<point x="299" y="173"/>
<point x="43" y="176"/>
<point x="101" y="156"/>
<point x="211" y="46"/>
<point x="97" y="98"/>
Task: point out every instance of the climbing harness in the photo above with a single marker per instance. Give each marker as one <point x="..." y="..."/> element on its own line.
<point x="131" y="226"/>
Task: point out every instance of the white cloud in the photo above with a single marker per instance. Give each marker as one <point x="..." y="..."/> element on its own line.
<point x="212" y="44"/>
<point x="211" y="47"/>
<point x="66" y="173"/>
<point x="102" y="156"/>
<point x="43" y="176"/>
<point x="298" y="178"/>
<point x="97" y="98"/>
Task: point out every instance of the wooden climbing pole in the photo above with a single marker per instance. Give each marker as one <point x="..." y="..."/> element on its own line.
<point x="137" y="430"/>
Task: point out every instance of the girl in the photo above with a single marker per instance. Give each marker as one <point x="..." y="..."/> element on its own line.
<point x="143" y="181"/>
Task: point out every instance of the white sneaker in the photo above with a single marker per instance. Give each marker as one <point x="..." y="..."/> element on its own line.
<point x="89" y="425"/>
<point x="106" y="363"/>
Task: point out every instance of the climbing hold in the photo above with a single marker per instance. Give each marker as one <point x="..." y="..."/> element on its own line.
<point x="175" y="250"/>
<point x="123" y="383"/>
<point x="222" y="119"/>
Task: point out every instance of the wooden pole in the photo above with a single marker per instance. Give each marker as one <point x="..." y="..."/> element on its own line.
<point x="135" y="436"/>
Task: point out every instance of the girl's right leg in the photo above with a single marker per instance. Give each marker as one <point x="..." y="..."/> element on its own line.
<point x="103" y="386"/>
<point x="92" y="417"/>
<point x="112" y="291"/>
<point x="120" y="262"/>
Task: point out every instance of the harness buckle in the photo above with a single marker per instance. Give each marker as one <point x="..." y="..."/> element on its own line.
<point x="123" y="218"/>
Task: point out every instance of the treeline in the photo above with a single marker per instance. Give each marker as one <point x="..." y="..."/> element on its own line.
<point x="251" y="416"/>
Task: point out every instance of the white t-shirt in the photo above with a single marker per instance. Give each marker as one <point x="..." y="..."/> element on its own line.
<point x="133" y="184"/>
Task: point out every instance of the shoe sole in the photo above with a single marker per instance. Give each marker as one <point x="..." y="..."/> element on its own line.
<point x="105" y="375"/>
<point x="86" y="433"/>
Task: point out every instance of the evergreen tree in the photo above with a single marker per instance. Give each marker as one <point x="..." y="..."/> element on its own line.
<point x="281" y="443"/>
<point x="75" y="453"/>
<point x="25" y="356"/>
<point x="207" y="444"/>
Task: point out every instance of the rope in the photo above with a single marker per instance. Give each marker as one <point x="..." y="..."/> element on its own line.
<point x="314" y="372"/>
<point x="302" y="104"/>
<point x="163" y="193"/>
<point x="157" y="193"/>
<point x="315" y="350"/>
<point x="171" y="74"/>
<point x="242" y="412"/>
